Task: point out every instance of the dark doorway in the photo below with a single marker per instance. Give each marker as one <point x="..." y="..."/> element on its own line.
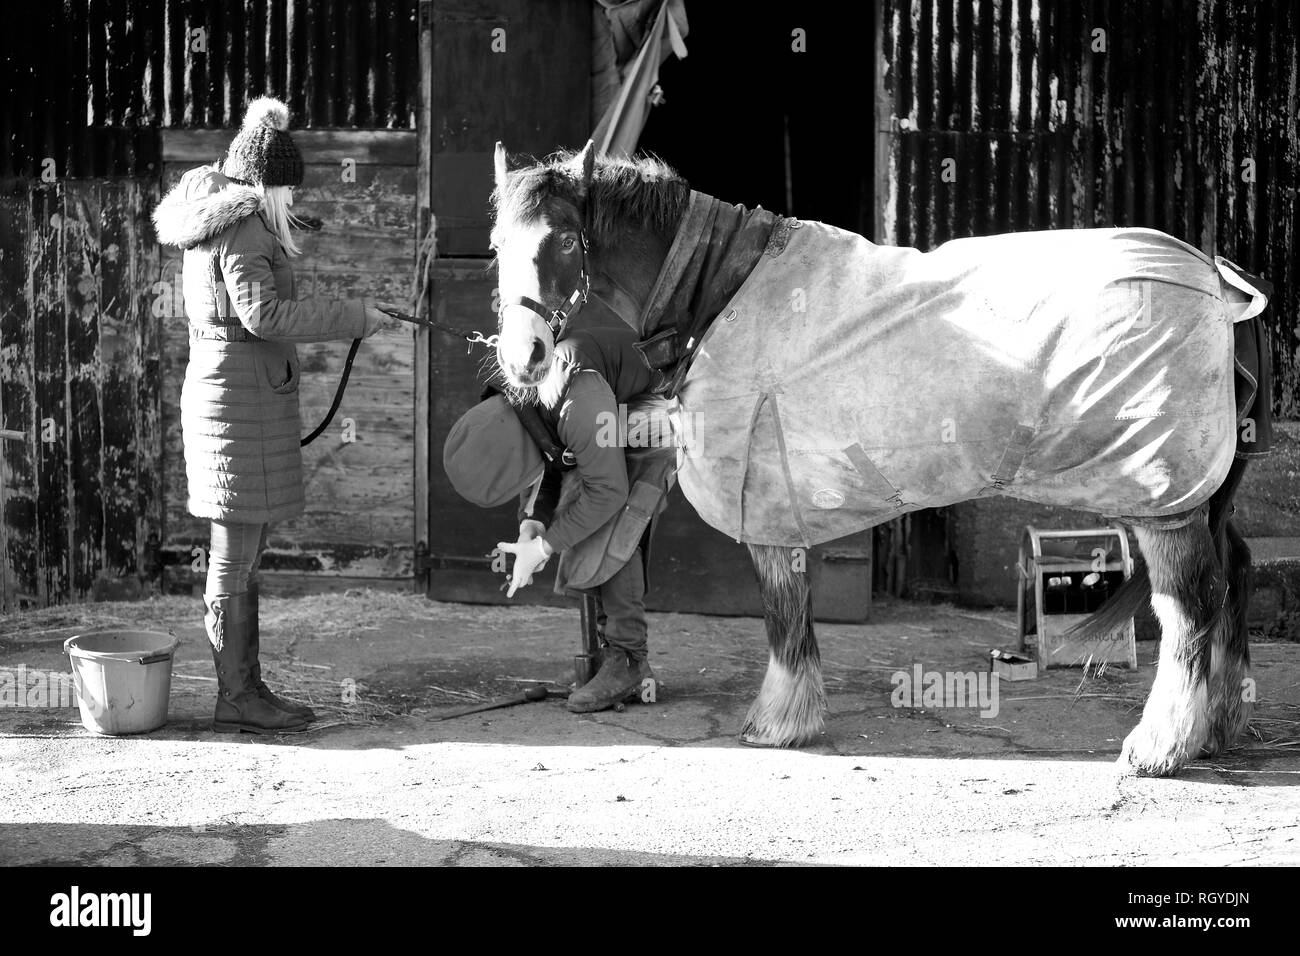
<point x="745" y="108"/>
<point x="750" y="119"/>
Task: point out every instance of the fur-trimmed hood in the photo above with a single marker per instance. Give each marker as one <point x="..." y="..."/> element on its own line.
<point x="203" y="205"/>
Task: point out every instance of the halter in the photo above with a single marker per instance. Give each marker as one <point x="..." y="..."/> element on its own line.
<point x="558" y="319"/>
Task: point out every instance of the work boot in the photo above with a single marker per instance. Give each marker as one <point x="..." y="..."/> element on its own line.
<point x="254" y="633"/>
<point x="618" y="679"/>
<point x="239" y="706"/>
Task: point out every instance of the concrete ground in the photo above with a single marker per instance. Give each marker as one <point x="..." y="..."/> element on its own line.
<point x="381" y="782"/>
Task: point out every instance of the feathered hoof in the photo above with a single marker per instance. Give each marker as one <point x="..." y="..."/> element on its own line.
<point x="765" y="728"/>
<point x="754" y="738"/>
<point x="1230" y="711"/>
<point x="1152" y="752"/>
<point x="1225" y="732"/>
<point x="778" y="741"/>
<point x="790" y="708"/>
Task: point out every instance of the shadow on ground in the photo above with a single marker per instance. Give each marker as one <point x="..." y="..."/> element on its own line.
<point x="381" y="780"/>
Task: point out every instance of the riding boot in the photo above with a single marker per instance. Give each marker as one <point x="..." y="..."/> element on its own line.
<point x="618" y="679"/>
<point x="254" y="634"/>
<point x="239" y="706"/>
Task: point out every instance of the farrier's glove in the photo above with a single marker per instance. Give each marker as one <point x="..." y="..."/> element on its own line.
<point x="531" y="554"/>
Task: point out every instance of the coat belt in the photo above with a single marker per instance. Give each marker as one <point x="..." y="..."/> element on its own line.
<point x="222" y="333"/>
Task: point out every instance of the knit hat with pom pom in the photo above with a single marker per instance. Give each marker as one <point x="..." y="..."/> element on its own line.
<point x="263" y="152"/>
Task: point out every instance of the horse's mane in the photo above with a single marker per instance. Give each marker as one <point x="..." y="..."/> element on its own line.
<point x="634" y="194"/>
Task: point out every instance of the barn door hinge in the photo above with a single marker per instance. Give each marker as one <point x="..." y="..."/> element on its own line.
<point x="8" y="434"/>
<point x="425" y="561"/>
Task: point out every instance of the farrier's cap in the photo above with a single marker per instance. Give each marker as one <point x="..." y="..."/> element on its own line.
<point x="263" y="152"/>
<point x="489" y="455"/>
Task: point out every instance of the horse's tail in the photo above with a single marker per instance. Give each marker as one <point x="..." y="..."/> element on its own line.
<point x="1135" y="593"/>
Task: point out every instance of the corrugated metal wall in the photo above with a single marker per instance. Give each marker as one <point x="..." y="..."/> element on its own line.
<point x="113" y="71"/>
<point x="80" y="488"/>
<point x="337" y="63"/>
<point x="1175" y="115"/>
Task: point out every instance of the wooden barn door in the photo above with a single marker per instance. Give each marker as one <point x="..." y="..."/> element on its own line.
<point x="509" y="70"/>
<point x="518" y="71"/>
<point x="80" y="502"/>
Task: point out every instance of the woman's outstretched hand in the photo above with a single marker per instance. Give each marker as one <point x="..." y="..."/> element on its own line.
<point x="378" y="320"/>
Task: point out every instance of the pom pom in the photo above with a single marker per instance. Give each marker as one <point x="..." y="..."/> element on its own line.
<point x="266" y="111"/>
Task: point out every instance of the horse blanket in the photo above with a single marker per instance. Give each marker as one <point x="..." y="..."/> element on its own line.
<point x="847" y="383"/>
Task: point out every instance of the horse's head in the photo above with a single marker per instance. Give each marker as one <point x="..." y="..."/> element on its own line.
<point x="540" y="242"/>
<point x="569" y="227"/>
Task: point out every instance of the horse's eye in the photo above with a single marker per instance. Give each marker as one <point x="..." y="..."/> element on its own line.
<point x="568" y="244"/>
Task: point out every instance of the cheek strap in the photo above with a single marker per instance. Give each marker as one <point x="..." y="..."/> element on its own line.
<point x="558" y="319"/>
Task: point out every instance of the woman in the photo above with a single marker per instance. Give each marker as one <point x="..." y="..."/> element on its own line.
<point x="239" y="403"/>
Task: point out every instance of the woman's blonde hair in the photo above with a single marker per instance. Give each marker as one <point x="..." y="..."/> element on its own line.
<point x="276" y="201"/>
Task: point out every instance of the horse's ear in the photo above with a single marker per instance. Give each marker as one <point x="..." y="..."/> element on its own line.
<point x="586" y="163"/>
<point x="499" y="162"/>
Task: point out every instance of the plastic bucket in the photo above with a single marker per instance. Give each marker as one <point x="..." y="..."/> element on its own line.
<point x="123" y="679"/>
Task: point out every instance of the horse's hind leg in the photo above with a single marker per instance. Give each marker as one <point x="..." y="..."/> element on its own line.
<point x="790" y="705"/>
<point x="1230" y="704"/>
<point x="1187" y="594"/>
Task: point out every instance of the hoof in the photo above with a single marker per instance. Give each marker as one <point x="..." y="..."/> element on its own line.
<point x="779" y="737"/>
<point x="759" y="742"/>
<point x="1231" y="711"/>
<point x="1149" y="753"/>
<point x="790" y="708"/>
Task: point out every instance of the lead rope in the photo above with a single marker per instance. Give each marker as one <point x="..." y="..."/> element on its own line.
<point x="338" y="396"/>
<point x="421" y="280"/>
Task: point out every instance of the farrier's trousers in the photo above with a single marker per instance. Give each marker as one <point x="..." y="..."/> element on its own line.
<point x="620" y="608"/>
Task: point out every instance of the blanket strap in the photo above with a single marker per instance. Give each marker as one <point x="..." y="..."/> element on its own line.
<point x="744" y="465"/>
<point x="878" y="484"/>
<point x="785" y="468"/>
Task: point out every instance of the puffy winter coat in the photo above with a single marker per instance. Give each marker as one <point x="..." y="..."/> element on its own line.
<point x="239" y="403"/>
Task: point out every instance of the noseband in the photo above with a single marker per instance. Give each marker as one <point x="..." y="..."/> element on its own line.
<point x="558" y="319"/>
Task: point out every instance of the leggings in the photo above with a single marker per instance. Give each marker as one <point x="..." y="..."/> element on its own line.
<point x="235" y="552"/>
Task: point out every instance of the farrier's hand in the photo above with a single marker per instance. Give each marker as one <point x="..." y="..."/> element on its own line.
<point x="531" y="556"/>
<point x="530" y="528"/>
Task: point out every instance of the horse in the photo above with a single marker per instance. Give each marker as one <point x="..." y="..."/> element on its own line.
<point x="630" y="234"/>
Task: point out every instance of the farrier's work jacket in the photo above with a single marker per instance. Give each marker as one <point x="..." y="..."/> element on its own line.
<point x="602" y="508"/>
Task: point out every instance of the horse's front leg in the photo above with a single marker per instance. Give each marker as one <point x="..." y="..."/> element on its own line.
<point x="790" y="707"/>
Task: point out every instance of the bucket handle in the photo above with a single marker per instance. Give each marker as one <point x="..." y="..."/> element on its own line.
<point x="155" y="658"/>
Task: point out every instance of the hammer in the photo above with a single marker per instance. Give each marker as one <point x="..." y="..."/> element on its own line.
<point x="531" y="694"/>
